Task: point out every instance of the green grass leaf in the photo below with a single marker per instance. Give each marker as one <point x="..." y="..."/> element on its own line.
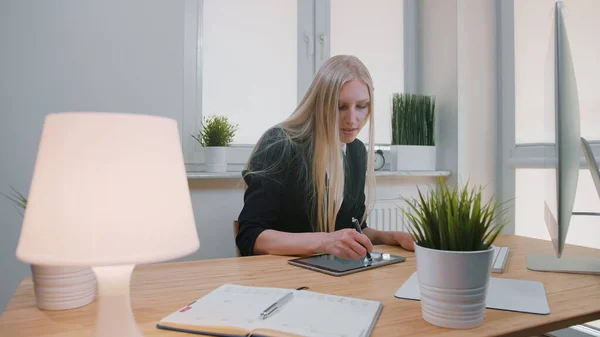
<point x="455" y="219"/>
<point x="413" y="119"/>
<point x="18" y="199"/>
<point x="216" y="131"/>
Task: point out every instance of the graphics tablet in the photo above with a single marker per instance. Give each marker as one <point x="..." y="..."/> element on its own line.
<point x="336" y="266"/>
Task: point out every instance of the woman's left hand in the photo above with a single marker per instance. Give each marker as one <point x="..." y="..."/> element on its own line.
<point x="403" y="239"/>
<point x="393" y="238"/>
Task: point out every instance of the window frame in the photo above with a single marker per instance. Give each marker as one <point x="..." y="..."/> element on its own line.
<point x="237" y="154"/>
<point x="314" y="19"/>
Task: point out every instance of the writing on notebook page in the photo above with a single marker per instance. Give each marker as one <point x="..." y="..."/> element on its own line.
<point x="315" y="314"/>
<point x="233" y="310"/>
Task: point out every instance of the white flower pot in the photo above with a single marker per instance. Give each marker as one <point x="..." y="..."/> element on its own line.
<point x="453" y="286"/>
<point x="413" y="158"/>
<point x="62" y="288"/>
<point x="215" y="158"/>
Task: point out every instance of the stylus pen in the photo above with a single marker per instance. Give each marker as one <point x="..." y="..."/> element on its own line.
<point x="357" y="226"/>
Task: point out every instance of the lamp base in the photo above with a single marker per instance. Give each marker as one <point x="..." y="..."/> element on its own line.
<point x="114" y="316"/>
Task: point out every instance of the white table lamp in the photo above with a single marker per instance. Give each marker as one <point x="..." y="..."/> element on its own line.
<point x="109" y="190"/>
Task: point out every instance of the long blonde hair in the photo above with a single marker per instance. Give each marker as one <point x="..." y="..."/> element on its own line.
<point x="315" y="124"/>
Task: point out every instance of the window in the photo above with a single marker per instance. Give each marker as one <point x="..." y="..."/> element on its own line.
<point x="256" y="59"/>
<point x="529" y="203"/>
<point x="532" y="34"/>
<point x="533" y="19"/>
<point x="249" y="63"/>
<point x="373" y="32"/>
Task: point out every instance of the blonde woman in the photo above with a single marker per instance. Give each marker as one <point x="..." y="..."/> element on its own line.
<point x="306" y="177"/>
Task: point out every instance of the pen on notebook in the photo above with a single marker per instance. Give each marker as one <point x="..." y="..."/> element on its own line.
<point x="280" y="303"/>
<point x="357" y="227"/>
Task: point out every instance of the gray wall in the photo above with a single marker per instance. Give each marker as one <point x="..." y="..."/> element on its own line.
<point x="105" y="55"/>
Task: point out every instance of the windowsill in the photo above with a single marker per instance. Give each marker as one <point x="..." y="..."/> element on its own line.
<point x="399" y="174"/>
<point x="412" y="173"/>
<point x="215" y="175"/>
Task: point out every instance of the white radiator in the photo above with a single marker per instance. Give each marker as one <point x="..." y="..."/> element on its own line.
<point x="387" y="216"/>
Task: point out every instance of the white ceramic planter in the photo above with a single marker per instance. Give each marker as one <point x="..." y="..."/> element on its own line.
<point x="413" y="158"/>
<point x="215" y="158"/>
<point x="62" y="288"/>
<point x="453" y="286"/>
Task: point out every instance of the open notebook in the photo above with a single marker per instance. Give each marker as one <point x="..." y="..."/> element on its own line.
<point x="233" y="310"/>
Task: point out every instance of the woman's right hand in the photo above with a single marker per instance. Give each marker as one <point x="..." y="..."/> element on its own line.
<point x="348" y="244"/>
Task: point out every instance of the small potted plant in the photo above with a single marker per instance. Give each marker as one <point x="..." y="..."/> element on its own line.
<point x="58" y="287"/>
<point x="18" y="199"/>
<point x="215" y="135"/>
<point x="453" y="230"/>
<point x="413" y="133"/>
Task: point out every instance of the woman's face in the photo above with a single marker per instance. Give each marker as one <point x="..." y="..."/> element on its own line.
<point x="353" y="108"/>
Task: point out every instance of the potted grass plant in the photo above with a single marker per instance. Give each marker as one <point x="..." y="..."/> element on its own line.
<point x="58" y="287"/>
<point x="413" y="132"/>
<point x="215" y="135"/>
<point x="18" y="199"/>
<point x="453" y="230"/>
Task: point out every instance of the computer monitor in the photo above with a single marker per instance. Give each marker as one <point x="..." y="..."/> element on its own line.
<point x="562" y="159"/>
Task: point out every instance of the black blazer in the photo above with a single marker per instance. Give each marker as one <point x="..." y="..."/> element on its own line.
<point x="280" y="201"/>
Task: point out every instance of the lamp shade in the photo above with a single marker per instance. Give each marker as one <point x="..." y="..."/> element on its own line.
<point x="107" y="189"/>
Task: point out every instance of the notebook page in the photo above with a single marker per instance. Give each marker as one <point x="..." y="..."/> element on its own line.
<point x="322" y="315"/>
<point x="228" y="306"/>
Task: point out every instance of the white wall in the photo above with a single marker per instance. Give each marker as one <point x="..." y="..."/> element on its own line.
<point x="217" y="203"/>
<point x="477" y="93"/>
<point x="437" y="74"/>
<point x="457" y="64"/>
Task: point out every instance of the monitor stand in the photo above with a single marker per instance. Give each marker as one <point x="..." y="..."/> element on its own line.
<point x="564" y="264"/>
<point x="572" y="264"/>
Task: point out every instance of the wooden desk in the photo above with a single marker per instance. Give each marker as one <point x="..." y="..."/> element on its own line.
<point x="158" y="290"/>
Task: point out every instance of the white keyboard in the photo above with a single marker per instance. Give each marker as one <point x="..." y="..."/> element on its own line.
<point x="499" y="259"/>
